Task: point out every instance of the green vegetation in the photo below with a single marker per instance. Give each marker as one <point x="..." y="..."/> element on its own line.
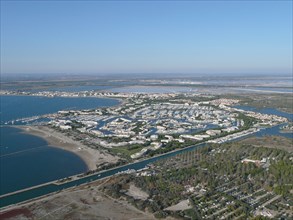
<point x="282" y="171"/>
<point x="283" y="102"/>
<point x="127" y="151"/>
<point x="277" y="142"/>
<point x="248" y="121"/>
<point x="216" y="182"/>
<point x="138" y="127"/>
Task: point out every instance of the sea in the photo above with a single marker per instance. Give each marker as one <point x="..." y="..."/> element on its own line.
<point x="27" y="160"/>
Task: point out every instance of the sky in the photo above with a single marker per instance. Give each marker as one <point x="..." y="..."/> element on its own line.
<point x="146" y="37"/>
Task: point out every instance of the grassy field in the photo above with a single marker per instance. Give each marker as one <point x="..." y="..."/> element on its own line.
<point x="283" y="102"/>
<point x="276" y="142"/>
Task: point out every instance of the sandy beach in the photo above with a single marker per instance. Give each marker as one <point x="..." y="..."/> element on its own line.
<point x="91" y="157"/>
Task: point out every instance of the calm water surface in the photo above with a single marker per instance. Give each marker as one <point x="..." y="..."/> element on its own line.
<point x="52" y="188"/>
<point x="270" y="111"/>
<point x="79" y="88"/>
<point x="14" y="107"/>
<point x="275" y="130"/>
<point x="27" y="160"/>
<point x="153" y="89"/>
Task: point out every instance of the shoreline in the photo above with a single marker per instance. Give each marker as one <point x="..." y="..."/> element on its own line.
<point x="262" y="91"/>
<point x="286" y="131"/>
<point x="120" y="99"/>
<point x="91" y="157"/>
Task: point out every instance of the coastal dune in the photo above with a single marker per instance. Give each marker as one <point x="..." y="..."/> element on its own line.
<point x="91" y="157"/>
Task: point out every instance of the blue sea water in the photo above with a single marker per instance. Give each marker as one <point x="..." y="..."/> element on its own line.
<point x="14" y="107"/>
<point x="80" y="88"/>
<point x="27" y="160"/>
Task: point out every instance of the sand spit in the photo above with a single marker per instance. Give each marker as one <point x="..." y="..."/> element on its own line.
<point x="92" y="157"/>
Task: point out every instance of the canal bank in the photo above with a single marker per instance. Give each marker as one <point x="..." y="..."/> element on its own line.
<point x="52" y="187"/>
<point x="45" y="189"/>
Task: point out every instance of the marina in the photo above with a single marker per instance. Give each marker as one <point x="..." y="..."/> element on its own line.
<point x="52" y="187"/>
<point x="74" y="180"/>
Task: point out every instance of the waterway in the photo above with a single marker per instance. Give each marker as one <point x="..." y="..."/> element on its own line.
<point x="51" y="187"/>
<point x="27" y="160"/>
<point x="270" y="111"/>
<point x="275" y="130"/>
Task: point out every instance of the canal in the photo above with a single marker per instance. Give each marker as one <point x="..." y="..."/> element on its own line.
<point x="45" y="189"/>
<point x="34" y="192"/>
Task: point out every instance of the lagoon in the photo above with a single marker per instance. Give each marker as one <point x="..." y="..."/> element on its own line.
<point x="153" y="89"/>
<point x="270" y="111"/>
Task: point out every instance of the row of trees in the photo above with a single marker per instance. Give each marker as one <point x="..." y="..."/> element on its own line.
<point x="209" y="168"/>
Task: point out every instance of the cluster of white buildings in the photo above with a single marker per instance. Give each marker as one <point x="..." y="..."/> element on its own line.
<point x="234" y="136"/>
<point x="140" y="121"/>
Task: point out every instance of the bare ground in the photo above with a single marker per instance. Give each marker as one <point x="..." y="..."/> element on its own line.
<point x="137" y="193"/>
<point x="183" y="205"/>
<point x="83" y="202"/>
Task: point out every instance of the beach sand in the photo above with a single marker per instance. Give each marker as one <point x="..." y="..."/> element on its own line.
<point x="92" y="157"/>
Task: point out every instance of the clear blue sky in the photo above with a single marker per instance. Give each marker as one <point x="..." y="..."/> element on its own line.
<point x="146" y="37"/>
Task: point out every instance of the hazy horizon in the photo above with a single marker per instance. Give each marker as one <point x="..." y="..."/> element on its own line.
<point x="14" y="77"/>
